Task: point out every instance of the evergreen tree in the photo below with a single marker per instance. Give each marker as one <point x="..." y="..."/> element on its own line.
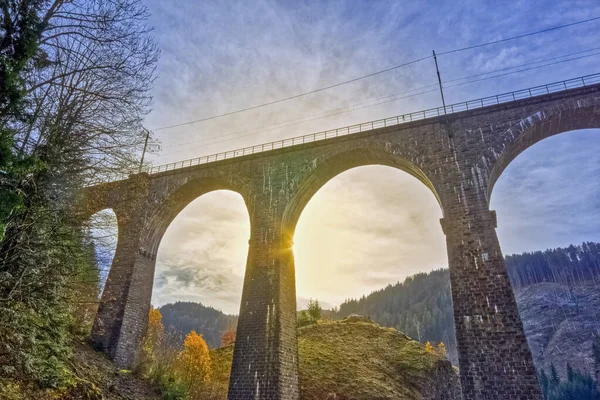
<point x="303" y="318"/>
<point x="554" y="378"/>
<point x="596" y="352"/>
<point x="314" y="310"/>
<point x="544" y="383"/>
<point x="570" y="373"/>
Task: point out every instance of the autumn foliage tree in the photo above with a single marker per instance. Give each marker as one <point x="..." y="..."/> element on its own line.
<point x="228" y="337"/>
<point x="193" y="366"/>
<point x="153" y="337"/>
<point x="429" y="347"/>
<point x="441" y="348"/>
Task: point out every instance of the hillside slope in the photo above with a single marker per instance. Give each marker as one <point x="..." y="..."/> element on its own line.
<point x="182" y="317"/>
<point x="357" y="359"/>
<point x="561" y="323"/>
<point x="96" y="378"/>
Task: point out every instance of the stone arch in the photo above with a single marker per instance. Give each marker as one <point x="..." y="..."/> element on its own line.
<point x="161" y="218"/>
<point x="569" y="116"/>
<point x="334" y="165"/>
<point x="98" y="198"/>
<point x="104" y="241"/>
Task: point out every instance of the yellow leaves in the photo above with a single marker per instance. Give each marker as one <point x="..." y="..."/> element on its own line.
<point x="153" y="336"/>
<point x="441" y="348"/>
<point x="193" y="366"/>
<point x="155" y="320"/>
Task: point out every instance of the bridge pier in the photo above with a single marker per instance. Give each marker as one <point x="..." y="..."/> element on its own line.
<point x="494" y="357"/>
<point x="265" y="358"/>
<point x="123" y="311"/>
<point x="122" y="315"/>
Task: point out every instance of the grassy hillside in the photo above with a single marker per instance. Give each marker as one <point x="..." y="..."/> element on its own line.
<point x="357" y="359"/>
<point x="96" y="378"/>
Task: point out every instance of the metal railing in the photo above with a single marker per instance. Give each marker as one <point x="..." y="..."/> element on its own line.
<point x="397" y="120"/>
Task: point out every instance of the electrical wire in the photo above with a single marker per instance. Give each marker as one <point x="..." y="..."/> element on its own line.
<point x="294" y="96"/>
<point x="393" y="97"/>
<point x="522" y="70"/>
<point x="373" y="74"/>
<point x="517" y="37"/>
<point x="287" y="123"/>
<point x="313" y="119"/>
<point x="523" y="65"/>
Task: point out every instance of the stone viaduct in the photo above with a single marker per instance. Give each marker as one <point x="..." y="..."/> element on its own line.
<point x="458" y="156"/>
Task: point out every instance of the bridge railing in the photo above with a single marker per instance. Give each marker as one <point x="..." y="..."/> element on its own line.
<point x="397" y="120"/>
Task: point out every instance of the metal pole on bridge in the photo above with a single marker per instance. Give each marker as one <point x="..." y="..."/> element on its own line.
<point x="144" y="151"/>
<point x="439" y="81"/>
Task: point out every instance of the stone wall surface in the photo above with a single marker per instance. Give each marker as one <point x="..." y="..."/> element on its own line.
<point x="458" y="157"/>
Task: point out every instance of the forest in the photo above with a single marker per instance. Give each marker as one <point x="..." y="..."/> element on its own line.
<point x="180" y="318"/>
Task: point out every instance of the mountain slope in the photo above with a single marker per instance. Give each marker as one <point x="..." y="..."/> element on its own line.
<point x="561" y="324"/>
<point x="95" y="378"/>
<point x="182" y="317"/>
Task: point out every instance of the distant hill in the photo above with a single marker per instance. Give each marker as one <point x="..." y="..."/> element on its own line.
<point x="550" y="288"/>
<point x="561" y="324"/>
<point x="180" y="318"/>
<point x="357" y="359"/>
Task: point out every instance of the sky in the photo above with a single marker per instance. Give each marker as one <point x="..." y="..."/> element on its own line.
<point x="370" y="226"/>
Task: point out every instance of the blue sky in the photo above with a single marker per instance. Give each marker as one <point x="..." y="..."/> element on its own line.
<point x="222" y="56"/>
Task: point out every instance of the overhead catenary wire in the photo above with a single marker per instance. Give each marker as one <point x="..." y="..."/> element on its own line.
<point x="309" y="120"/>
<point x="296" y="96"/>
<point x="546" y="30"/>
<point x="522" y="70"/>
<point x="518" y="36"/>
<point x="263" y="128"/>
<point x="358" y="106"/>
<point x="536" y="61"/>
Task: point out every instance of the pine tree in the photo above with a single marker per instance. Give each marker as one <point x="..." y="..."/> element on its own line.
<point x="314" y="310"/>
<point x="569" y="373"/>
<point x="544" y="383"/>
<point x="554" y="378"/>
<point x="596" y="352"/>
<point x="303" y="318"/>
